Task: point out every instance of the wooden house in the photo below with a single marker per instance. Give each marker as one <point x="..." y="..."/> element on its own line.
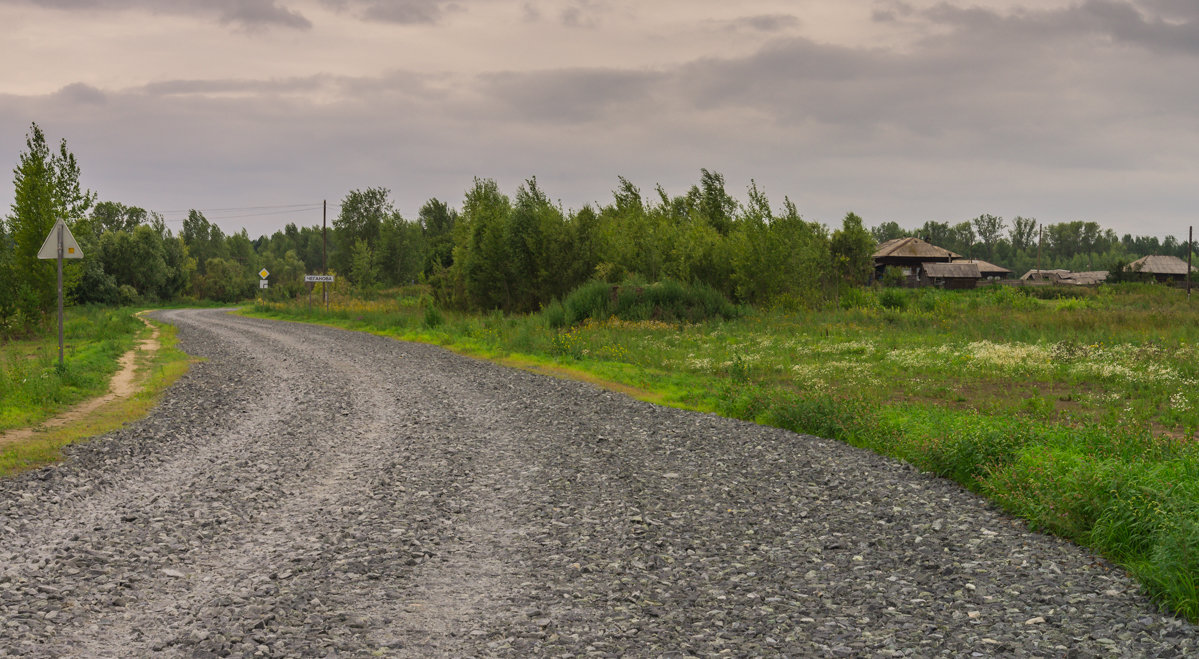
<point x="1161" y="268"/>
<point x="1065" y="277"/>
<point x="909" y="255"/>
<point x="956" y="275"/>
<point x="988" y="271"/>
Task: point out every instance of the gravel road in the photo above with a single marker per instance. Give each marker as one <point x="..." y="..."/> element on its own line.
<point x="313" y="492"/>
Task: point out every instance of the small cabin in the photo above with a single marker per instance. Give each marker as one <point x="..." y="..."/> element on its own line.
<point x="956" y="276"/>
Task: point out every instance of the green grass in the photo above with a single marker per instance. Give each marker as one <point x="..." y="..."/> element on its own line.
<point x="34" y="388"/>
<point x="1075" y="409"/>
<point x="156" y="374"/>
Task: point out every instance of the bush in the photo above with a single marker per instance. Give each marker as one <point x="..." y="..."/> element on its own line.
<point x="433" y="317"/>
<point x="127" y="295"/>
<point x="669" y="301"/>
<point x="893" y="298"/>
<point x="853" y="297"/>
<point x="893" y="277"/>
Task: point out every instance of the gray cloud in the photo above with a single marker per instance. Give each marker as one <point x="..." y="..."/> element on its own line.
<point x="81" y="94"/>
<point x="766" y="23"/>
<point x="569" y="96"/>
<point x="583" y="13"/>
<point x="243" y="14"/>
<point x="1142" y="24"/>
<point x="404" y="12"/>
<point x="1031" y="112"/>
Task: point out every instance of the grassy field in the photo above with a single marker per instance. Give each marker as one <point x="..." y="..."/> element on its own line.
<point x="1075" y="409"/>
<point x="33" y="388"/>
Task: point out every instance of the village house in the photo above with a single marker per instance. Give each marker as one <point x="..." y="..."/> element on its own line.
<point x="1065" y="277"/>
<point x="1161" y="268"/>
<point x="910" y="255"/>
<point x="955" y="275"/>
<point x="988" y="271"/>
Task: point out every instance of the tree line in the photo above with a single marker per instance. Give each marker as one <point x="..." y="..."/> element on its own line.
<point x="513" y="253"/>
<point x="1022" y="243"/>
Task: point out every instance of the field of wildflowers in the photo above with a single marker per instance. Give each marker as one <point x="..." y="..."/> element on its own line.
<point x="1077" y="412"/>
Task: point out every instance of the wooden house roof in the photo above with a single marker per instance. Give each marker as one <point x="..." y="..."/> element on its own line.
<point x="1160" y="265"/>
<point x="912" y="248"/>
<point x="1087" y="278"/>
<point x="1091" y="278"/>
<point x="984" y="267"/>
<point x="1044" y="274"/>
<point x="956" y="270"/>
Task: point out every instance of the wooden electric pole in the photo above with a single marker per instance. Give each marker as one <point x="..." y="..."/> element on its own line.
<point x="1190" y="250"/>
<point x="1040" y="242"/>
<point x="325" y="249"/>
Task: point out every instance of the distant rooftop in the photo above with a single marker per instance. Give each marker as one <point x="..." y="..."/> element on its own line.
<point x="912" y="248"/>
<point x="1160" y="265"/>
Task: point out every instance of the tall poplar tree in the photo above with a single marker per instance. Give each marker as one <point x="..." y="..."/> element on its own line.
<point x="46" y="188"/>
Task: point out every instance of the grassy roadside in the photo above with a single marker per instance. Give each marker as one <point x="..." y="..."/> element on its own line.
<point x="154" y="373"/>
<point x="1075" y="410"/>
<point x="34" y="388"/>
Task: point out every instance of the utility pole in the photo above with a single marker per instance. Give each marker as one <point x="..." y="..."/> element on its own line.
<point x="1190" y="250"/>
<point x="325" y="249"/>
<point x="1040" y="241"/>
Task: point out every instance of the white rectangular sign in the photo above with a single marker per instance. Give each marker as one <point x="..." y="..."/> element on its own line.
<point x="318" y="278"/>
<point x="262" y="283"/>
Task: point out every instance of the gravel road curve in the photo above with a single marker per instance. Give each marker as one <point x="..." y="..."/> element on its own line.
<point x="307" y="491"/>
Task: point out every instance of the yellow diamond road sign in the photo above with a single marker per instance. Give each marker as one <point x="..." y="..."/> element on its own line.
<point x="263" y="273"/>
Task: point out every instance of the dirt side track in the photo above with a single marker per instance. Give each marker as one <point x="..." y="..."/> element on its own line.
<point x="310" y="492"/>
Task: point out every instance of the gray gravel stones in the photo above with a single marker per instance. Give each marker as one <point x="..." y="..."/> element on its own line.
<point x="311" y="492"/>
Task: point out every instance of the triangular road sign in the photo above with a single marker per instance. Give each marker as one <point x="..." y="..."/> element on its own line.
<point x="70" y="248"/>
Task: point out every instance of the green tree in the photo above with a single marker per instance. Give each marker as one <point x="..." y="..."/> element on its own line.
<point x="936" y="233"/>
<point x="777" y="259"/>
<point x="400" y="257"/>
<point x="712" y="203"/>
<point x="225" y="280"/>
<point x="205" y="241"/>
<point x="851" y="248"/>
<point x="46" y="188"/>
<point x="962" y="240"/>
<point x="361" y="218"/>
<point x="480" y="257"/>
<point x="990" y="231"/>
<point x="115" y="216"/>
<point x="1023" y="233"/>
<point x="8" y="293"/>
<point x="537" y="250"/>
<point x="362" y="271"/>
<point x="888" y="231"/>
<point x="437" y="222"/>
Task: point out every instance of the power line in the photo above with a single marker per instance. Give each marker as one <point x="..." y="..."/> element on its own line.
<point x="314" y="204"/>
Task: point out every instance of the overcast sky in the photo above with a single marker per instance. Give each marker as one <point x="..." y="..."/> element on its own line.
<point x="897" y="110"/>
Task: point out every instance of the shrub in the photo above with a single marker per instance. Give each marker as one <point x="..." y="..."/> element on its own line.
<point x="554" y="314"/>
<point x="433" y="317"/>
<point x="893" y="277"/>
<point x="127" y="295"/>
<point x="668" y="300"/>
<point x="853" y="297"/>
<point x="892" y="298"/>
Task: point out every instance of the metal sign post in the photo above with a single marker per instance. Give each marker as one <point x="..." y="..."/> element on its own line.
<point x="324" y="281"/>
<point x="59" y="245"/>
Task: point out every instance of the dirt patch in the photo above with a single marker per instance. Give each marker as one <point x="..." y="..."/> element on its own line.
<point x="124" y="384"/>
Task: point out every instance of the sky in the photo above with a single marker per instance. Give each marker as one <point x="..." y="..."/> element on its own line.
<point x="254" y="111"/>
